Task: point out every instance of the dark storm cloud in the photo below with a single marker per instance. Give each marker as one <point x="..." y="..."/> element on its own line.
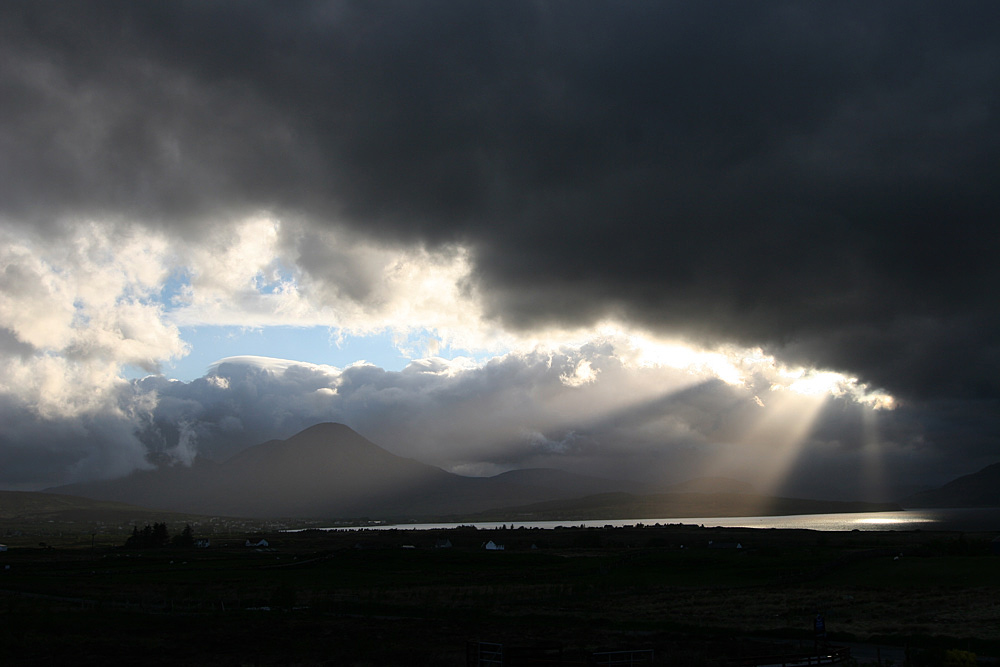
<point x="11" y="345"/>
<point x="817" y="179"/>
<point x="37" y="452"/>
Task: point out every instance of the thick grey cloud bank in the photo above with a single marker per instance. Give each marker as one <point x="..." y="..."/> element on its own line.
<point x="818" y="179"/>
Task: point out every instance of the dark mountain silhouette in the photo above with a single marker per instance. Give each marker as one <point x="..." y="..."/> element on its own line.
<point x="328" y="471"/>
<point x="325" y="471"/>
<point x="169" y="488"/>
<point x="980" y="489"/>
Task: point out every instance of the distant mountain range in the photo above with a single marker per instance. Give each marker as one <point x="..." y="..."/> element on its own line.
<point x="328" y="471"/>
<point x="980" y="489"/>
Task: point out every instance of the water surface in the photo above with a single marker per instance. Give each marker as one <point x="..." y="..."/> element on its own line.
<point x="974" y="519"/>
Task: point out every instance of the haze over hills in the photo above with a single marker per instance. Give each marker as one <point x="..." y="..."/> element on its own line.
<point x="330" y="471"/>
<point x="712" y="485"/>
<point x="327" y="470"/>
<point x="562" y="482"/>
<point x="575" y="486"/>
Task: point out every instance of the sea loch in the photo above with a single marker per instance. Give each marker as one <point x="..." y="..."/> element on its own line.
<point x="961" y="519"/>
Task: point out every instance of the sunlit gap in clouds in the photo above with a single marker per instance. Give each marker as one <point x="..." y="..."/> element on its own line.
<point x="765" y="447"/>
<point x="753" y="426"/>
<point x="870" y="403"/>
<point x="656" y="370"/>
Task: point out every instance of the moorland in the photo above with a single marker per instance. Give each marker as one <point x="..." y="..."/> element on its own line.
<point x="696" y="596"/>
<point x="273" y="590"/>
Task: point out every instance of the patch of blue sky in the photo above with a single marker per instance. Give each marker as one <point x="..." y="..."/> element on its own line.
<point x="316" y="345"/>
<point x="281" y="276"/>
<point x="173" y="287"/>
<point x="419" y="344"/>
<point x="80" y="317"/>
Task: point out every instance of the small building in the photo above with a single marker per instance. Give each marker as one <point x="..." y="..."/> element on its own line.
<point x="261" y="543"/>
<point x="442" y="544"/>
<point x="493" y="546"/>
<point x="3" y="547"/>
<point x="203" y="543"/>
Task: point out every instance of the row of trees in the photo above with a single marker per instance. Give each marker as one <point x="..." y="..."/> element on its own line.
<point x="157" y="535"/>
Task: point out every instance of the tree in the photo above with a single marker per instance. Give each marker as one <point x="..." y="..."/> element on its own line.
<point x="149" y="537"/>
<point x="185" y="538"/>
<point x="161" y="537"/>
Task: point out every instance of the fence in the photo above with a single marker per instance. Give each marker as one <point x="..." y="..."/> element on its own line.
<point x="623" y="658"/>
<point x="487" y="655"/>
<point x="831" y="656"/>
<point x="490" y="654"/>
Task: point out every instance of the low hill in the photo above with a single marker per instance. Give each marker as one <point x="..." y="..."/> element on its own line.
<point x="980" y="489"/>
<point x="32" y="507"/>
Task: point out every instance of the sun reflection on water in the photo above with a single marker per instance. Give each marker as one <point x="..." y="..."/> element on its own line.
<point x="884" y="520"/>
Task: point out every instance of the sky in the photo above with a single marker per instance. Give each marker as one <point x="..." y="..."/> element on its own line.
<point x="648" y="241"/>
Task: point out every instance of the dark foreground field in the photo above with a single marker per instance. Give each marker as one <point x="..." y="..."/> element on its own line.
<point x="395" y="598"/>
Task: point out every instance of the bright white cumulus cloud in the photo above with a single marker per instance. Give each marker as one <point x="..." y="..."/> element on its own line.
<point x="265" y="272"/>
<point x="78" y="310"/>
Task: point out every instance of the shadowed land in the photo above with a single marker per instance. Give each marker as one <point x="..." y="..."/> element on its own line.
<point x="400" y="597"/>
<point x="69" y="592"/>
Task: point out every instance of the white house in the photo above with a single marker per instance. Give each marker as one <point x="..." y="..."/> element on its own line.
<point x="493" y="546"/>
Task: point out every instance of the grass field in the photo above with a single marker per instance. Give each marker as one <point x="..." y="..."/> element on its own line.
<point x="368" y="598"/>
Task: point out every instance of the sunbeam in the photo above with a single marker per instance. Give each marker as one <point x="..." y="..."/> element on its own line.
<point x="768" y="450"/>
<point x="872" y="473"/>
